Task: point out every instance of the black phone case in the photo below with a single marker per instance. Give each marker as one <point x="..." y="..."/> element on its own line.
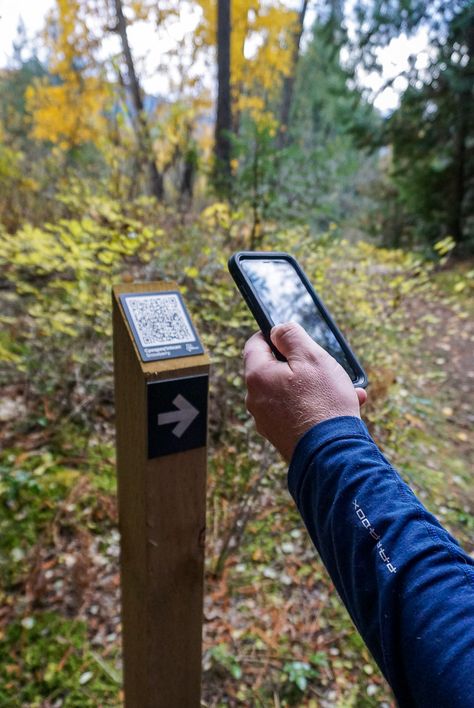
<point x="264" y="322"/>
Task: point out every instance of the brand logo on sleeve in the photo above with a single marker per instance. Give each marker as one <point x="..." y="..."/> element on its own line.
<point x="372" y="532"/>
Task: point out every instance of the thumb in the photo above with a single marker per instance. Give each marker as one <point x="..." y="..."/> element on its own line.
<point x="295" y="344"/>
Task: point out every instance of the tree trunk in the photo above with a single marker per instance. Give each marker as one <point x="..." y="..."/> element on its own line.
<point x="142" y="128"/>
<point x="461" y="143"/>
<point x="223" y="128"/>
<point x="289" y="81"/>
<point x="189" y="171"/>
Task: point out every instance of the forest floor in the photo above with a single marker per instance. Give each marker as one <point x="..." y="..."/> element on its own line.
<point x="439" y="467"/>
<point x="275" y="633"/>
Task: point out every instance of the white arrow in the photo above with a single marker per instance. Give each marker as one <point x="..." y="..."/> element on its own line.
<point x="184" y="416"/>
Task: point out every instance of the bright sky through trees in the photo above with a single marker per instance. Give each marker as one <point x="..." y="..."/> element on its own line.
<point x="393" y="58"/>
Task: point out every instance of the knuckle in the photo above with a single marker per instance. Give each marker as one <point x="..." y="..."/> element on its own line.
<point x="287" y="330"/>
<point x="252" y="404"/>
<point x="253" y="379"/>
<point x="313" y="359"/>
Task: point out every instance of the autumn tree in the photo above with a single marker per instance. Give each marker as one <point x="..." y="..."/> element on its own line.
<point x="290" y="78"/>
<point x="166" y="133"/>
<point x="260" y="51"/>
<point x="141" y="123"/>
<point x="223" y="127"/>
<point x="52" y="121"/>
<point x="67" y="107"/>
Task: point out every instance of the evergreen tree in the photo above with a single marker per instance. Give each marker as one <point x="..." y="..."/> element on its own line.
<point x="432" y="134"/>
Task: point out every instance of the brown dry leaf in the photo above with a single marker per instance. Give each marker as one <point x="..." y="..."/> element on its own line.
<point x="415" y="421"/>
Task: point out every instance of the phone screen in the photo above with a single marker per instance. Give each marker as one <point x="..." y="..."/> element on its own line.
<point x="286" y="299"/>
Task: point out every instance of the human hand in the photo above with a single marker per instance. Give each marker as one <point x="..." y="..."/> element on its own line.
<point x="288" y="398"/>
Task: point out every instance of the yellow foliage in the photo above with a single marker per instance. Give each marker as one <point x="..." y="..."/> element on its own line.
<point x="70" y="266"/>
<point x="140" y="9"/>
<point x="217" y="215"/>
<point x="262" y="117"/>
<point x="444" y="246"/>
<point x="261" y="48"/>
<point x="176" y="127"/>
<point x="67" y="115"/>
<point x="69" y="110"/>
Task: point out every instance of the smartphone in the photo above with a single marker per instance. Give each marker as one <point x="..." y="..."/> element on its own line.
<point x="276" y="290"/>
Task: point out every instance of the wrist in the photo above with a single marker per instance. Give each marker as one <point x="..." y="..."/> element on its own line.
<point x="327" y="430"/>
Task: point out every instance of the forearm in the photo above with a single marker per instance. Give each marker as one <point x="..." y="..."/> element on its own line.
<point x="407" y="584"/>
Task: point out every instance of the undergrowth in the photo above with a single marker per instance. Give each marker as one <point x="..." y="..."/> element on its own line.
<point x="275" y="633"/>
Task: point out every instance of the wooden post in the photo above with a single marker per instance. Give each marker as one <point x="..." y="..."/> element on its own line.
<point x="161" y="423"/>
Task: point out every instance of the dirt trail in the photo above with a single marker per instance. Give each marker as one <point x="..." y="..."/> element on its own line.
<point x="449" y="347"/>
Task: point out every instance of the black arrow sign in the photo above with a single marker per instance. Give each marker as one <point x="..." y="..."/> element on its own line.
<point x="177" y="415"/>
<point x="183" y="416"/>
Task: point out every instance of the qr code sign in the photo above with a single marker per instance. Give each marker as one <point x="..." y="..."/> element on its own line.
<point x="160" y="320"/>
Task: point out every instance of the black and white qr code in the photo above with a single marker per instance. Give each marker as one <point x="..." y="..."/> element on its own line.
<point x="160" y="320"/>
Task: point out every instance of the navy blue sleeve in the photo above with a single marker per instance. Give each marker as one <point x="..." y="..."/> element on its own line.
<point x="407" y="584"/>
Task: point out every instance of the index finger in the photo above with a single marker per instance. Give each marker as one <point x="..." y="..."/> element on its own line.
<point x="257" y="354"/>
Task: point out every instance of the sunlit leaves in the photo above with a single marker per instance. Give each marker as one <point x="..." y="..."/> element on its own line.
<point x="261" y="48"/>
<point x="68" y="114"/>
<point x="67" y="108"/>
